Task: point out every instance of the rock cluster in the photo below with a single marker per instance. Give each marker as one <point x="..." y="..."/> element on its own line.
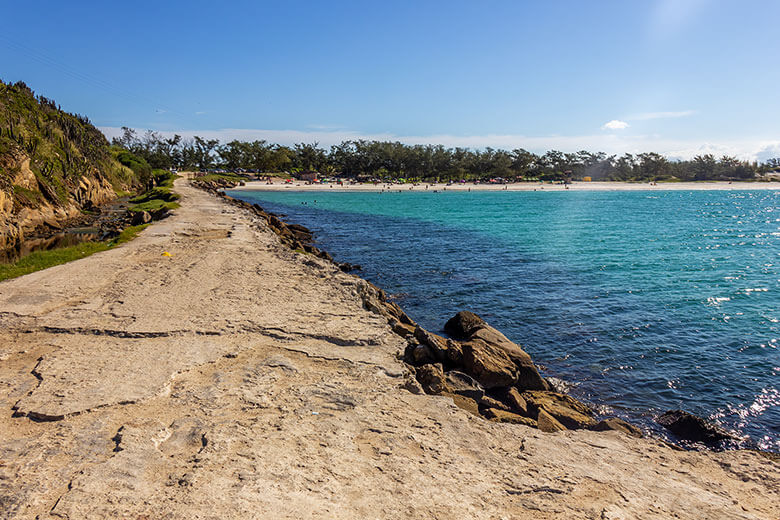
<point x="216" y="185"/>
<point x="137" y="218"/>
<point x="689" y="427"/>
<point x="489" y="375"/>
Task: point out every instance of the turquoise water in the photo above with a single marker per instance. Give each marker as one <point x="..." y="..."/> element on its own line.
<point x="642" y="301"/>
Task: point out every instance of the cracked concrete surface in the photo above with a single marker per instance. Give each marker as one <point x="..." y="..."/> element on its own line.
<point x="237" y="379"/>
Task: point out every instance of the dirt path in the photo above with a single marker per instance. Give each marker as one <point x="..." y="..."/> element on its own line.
<point x="237" y="379"/>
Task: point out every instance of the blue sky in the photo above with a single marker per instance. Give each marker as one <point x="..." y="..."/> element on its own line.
<point x="675" y="76"/>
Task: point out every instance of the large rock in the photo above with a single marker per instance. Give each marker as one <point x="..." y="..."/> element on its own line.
<point x="431" y="377"/>
<point x="445" y="350"/>
<point x="463" y="402"/>
<point x="468" y="327"/>
<point x="692" y="428"/>
<point x="547" y="423"/>
<point x="463" y="384"/>
<point x="616" y="424"/>
<point x="515" y="401"/>
<point x="485" y="367"/>
<point x="463" y="324"/>
<point x="497" y="415"/>
<point x="141" y="217"/>
<point x="565" y="409"/>
<point x="488" y="364"/>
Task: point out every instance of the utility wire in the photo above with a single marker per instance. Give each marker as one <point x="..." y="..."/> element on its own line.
<point x="89" y="79"/>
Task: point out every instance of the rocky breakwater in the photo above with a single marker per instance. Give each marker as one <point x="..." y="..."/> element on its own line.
<point x="489" y="375"/>
<point x="296" y="237"/>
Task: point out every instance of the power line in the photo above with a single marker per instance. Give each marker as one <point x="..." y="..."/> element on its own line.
<point x="89" y="79"/>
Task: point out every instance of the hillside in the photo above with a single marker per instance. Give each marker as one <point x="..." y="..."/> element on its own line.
<point x="53" y="165"/>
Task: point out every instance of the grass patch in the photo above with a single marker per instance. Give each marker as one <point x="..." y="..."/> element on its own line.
<point x="234" y="177"/>
<point x="27" y="197"/>
<point x="153" y="205"/>
<point x="159" y="193"/>
<point x="39" y="260"/>
<point x="158" y="198"/>
<point x="127" y="235"/>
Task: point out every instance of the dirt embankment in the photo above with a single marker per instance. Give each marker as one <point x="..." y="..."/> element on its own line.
<point x="29" y="207"/>
<point x="239" y="379"/>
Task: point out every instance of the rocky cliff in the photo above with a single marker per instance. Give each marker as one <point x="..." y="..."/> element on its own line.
<point x="53" y="165"/>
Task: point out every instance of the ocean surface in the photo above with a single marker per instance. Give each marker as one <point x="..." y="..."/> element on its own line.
<point x="641" y="301"/>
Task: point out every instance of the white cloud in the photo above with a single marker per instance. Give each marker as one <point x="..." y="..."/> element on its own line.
<point x="610" y="143"/>
<point x="769" y="151"/>
<point x="615" y="124"/>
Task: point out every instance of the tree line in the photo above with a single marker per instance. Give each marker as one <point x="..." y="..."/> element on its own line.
<point x="394" y="160"/>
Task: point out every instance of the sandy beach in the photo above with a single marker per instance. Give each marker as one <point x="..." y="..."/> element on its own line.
<point x="236" y="378"/>
<point x="280" y="185"/>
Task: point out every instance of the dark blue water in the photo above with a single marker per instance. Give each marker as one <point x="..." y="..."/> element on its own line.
<point x="644" y="302"/>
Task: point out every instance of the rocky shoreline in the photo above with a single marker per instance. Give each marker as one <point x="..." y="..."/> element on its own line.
<point x="206" y="370"/>
<point x="478" y="367"/>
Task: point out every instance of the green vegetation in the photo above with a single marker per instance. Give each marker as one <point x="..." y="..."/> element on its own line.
<point x="222" y="175"/>
<point x="394" y="161"/>
<point x="158" y="198"/>
<point x="61" y="148"/>
<point x="44" y="259"/>
<point x="140" y="167"/>
<point x="26" y="197"/>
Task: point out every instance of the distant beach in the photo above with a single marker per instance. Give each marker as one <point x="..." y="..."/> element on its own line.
<point x="280" y="185"/>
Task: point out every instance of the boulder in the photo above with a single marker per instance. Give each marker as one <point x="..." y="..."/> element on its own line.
<point x="141" y="217"/>
<point x="503" y="416"/>
<point x="570" y="412"/>
<point x="419" y="354"/>
<point x="547" y="423"/>
<point x="275" y="223"/>
<point x="515" y="401"/>
<point x="297" y="228"/>
<point x="463" y="324"/>
<point x="431" y="377"/>
<point x="437" y="344"/>
<point x="692" y="428"/>
<point x="402" y="329"/>
<point x="467" y="327"/>
<point x="445" y="350"/>
<point x="395" y="310"/>
<point x="463" y="402"/>
<point x="613" y="423"/>
<point x="489" y="365"/>
<point x="463" y="384"/>
<point x="489" y="402"/>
